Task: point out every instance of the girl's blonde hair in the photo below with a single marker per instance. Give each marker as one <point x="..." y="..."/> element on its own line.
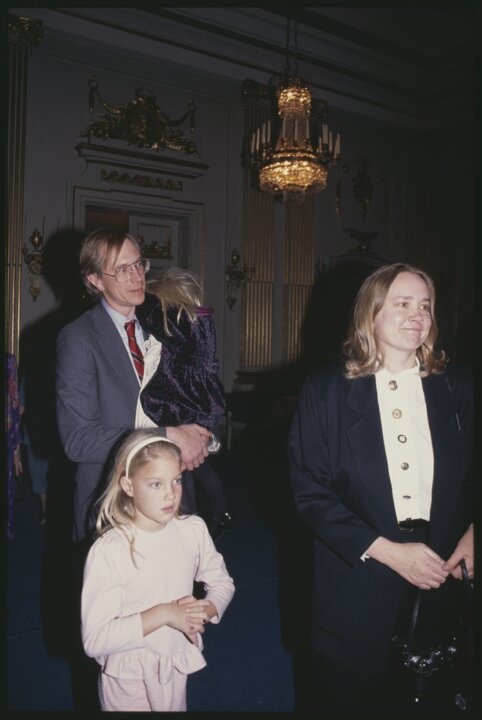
<point x="363" y="353"/>
<point x="115" y="509"/>
<point x="179" y="288"/>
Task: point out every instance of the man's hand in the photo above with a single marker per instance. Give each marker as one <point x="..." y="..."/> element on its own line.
<point x="192" y="440"/>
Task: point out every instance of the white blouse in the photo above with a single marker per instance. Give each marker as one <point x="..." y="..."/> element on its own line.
<point x="407" y="439"/>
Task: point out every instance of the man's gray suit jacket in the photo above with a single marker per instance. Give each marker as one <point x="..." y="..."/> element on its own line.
<point x="97" y="393"/>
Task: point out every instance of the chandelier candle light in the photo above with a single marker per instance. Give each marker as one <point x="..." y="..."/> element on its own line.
<point x="293" y="150"/>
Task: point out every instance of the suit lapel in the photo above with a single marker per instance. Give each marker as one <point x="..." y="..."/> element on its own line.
<point x="114" y="351"/>
<point x="366" y="441"/>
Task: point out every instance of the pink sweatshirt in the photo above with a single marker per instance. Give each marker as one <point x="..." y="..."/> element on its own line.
<point x="115" y="592"/>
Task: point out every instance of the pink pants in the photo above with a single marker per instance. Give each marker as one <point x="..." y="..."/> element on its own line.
<point x="141" y="695"/>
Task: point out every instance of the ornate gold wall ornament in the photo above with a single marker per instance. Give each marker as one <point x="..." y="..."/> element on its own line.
<point x="125" y="178"/>
<point x="362" y="186"/>
<point x="25" y="30"/>
<point x="34" y="261"/>
<point x="140" y="122"/>
<point x="235" y="275"/>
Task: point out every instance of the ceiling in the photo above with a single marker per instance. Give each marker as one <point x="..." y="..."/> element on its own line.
<point x="410" y="66"/>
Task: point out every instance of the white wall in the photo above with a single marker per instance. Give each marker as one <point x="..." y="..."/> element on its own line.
<point x="55" y="176"/>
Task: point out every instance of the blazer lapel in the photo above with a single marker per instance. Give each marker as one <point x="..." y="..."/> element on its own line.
<point x="114" y="351"/>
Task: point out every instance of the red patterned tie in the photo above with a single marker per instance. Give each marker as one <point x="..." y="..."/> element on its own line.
<point x="135" y="349"/>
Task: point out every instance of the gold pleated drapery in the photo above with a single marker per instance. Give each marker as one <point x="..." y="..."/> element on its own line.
<point x="259" y="252"/>
<point x="299" y="263"/>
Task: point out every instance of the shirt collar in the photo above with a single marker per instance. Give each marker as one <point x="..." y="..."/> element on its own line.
<point x="383" y="373"/>
<point x="118" y="319"/>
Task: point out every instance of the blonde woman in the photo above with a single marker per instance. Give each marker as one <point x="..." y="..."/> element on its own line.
<point x="380" y="455"/>
<point x="140" y="620"/>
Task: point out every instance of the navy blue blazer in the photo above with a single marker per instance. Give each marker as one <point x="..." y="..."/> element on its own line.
<point x="341" y="485"/>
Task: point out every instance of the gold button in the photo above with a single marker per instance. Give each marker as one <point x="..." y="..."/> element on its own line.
<point x="404" y="466"/>
<point x="393" y="385"/>
<point x="397" y="413"/>
<point x="402" y="439"/>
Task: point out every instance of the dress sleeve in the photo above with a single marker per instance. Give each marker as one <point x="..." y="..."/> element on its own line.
<point x="104" y="629"/>
<point x="211" y="571"/>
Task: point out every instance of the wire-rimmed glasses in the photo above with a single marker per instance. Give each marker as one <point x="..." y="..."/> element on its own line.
<point x="123" y="273"/>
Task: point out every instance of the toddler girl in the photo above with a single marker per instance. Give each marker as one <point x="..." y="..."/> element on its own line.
<point x="140" y="620"/>
<point x="186" y="388"/>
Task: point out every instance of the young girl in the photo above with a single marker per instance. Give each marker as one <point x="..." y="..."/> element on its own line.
<point x="185" y="388"/>
<point x="140" y="620"/>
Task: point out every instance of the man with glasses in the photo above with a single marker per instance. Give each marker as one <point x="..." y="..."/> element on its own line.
<point x="101" y="365"/>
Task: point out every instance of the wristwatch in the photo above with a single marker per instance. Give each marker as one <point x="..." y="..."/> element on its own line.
<point x="214" y="445"/>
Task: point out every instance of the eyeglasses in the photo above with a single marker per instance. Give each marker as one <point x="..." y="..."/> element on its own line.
<point x="123" y="273"/>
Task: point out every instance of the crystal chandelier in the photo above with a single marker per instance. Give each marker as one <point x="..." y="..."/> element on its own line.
<point x="294" y="149"/>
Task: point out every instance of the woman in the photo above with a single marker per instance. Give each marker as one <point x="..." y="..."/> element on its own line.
<point x="380" y="452"/>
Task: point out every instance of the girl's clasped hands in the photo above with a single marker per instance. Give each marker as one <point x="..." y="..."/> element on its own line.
<point x="191" y="615"/>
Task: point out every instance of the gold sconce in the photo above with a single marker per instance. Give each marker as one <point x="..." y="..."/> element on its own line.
<point x="235" y="276"/>
<point x="34" y="261"/>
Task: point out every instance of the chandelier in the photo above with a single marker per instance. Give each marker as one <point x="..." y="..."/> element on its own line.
<point x="292" y="150"/>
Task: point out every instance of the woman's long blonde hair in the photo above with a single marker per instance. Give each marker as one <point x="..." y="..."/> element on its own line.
<point x="179" y="288"/>
<point x="115" y="509"/>
<point x="362" y="351"/>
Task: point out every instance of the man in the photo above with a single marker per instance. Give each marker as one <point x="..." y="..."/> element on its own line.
<point x="98" y="381"/>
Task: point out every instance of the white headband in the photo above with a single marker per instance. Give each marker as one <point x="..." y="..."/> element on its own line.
<point x="140" y="445"/>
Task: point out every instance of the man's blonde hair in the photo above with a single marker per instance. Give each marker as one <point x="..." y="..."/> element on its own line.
<point x="96" y="248"/>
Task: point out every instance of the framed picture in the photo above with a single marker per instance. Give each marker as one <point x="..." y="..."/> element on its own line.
<point x="171" y="235"/>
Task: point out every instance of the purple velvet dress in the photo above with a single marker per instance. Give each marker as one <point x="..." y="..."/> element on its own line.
<point x="185" y="387"/>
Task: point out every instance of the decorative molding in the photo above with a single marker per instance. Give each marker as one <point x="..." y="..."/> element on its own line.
<point x="25" y="31"/>
<point x="146" y="181"/>
<point x="135" y="160"/>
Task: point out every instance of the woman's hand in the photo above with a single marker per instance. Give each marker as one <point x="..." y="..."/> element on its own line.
<point x="463" y="551"/>
<point x="415" y="562"/>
